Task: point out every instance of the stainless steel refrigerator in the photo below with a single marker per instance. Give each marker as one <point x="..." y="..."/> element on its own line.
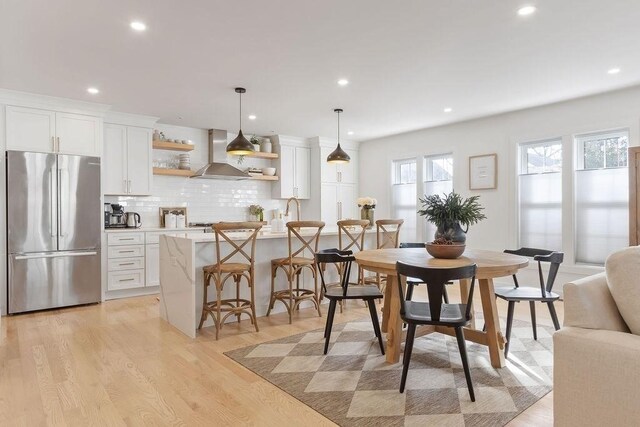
<point x="54" y="219"/>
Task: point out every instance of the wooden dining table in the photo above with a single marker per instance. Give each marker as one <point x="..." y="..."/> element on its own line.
<point x="490" y="265"/>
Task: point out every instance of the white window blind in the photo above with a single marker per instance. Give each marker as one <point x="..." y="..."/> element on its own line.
<point x="404" y="197"/>
<point x="602" y="195"/>
<point x="438" y="179"/>
<point x="540" y="195"/>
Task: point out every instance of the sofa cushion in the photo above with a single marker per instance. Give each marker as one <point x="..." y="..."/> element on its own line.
<point x="623" y="278"/>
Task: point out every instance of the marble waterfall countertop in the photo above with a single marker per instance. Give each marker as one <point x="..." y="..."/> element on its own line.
<point x="182" y="256"/>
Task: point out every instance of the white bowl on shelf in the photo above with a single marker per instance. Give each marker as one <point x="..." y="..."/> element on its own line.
<point x="269" y="171"/>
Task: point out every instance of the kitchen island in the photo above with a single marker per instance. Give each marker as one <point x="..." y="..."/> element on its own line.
<point x="183" y="255"/>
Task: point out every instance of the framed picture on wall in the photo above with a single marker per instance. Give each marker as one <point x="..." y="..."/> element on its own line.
<point x="483" y="172"/>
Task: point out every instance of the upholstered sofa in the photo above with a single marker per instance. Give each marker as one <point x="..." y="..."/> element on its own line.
<point x="597" y="351"/>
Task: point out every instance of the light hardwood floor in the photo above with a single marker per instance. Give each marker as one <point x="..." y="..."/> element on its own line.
<point x="118" y="363"/>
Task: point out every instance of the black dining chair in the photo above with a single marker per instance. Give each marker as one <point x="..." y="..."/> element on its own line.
<point x="342" y="260"/>
<point x="412" y="281"/>
<point x="435" y="312"/>
<point x="532" y="295"/>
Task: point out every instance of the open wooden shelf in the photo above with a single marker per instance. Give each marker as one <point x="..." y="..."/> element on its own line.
<point x="172" y="172"/>
<point x="165" y="145"/>
<point x="261" y="155"/>
<point x="264" y="178"/>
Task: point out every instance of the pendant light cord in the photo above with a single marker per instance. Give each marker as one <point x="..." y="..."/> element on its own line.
<point x="338" y="128"/>
<point x="240" y="110"/>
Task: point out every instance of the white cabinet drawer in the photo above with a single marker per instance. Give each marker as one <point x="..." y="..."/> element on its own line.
<point x="126" y="264"/>
<point x="114" y="239"/>
<point x="125" y="251"/>
<point x="125" y="279"/>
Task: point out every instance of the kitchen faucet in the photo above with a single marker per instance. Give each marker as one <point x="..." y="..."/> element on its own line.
<point x="289" y="200"/>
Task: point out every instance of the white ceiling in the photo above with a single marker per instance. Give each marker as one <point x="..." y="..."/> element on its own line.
<point x="405" y="60"/>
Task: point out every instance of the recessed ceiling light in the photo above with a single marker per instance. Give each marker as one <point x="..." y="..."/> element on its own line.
<point x="93" y="91"/>
<point x="138" y="26"/>
<point x="350" y="132"/>
<point x="613" y="70"/>
<point x="448" y="110"/>
<point x="252" y="117"/>
<point x="343" y="82"/>
<point x="526" y="10"/>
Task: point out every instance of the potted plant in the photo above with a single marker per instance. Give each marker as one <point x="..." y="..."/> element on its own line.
<point x="449" y="213"/>
<point x="256" y="143"/>
<point x="257" y="212"/>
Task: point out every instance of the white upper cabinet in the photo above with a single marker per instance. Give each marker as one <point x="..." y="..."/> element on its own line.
<point x="331" y="172"/>
<point x="127" y="160"/>
<point x="293" y="166"/>
<point x="328" y="171"/>
<point x="348" y="172"/>
<point x="31" y="129"/>
<point x="302" y="172"/>
<point x="114" y="160"/>
<point x="139" y="171"/>
<point x="78" y="134"/>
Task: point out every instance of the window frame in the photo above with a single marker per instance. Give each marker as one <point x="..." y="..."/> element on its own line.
<point x="397" y="170"/>
<point x="428" y="170"/>
<point x="580" y="139"/>
<point x="523" y="157"/>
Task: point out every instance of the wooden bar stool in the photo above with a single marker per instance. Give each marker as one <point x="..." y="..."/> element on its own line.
<point x="295" y="264"/>
<point x="224" y="269"/>
<point x="387" y="236"/>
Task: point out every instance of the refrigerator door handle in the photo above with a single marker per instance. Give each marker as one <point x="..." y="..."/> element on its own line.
<point x="63" y="200"/>
<point x="55" y="255"/>
<point x="52" y="197"/>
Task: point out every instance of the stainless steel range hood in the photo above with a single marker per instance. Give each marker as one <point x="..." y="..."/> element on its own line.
<point x="218" y="170"/>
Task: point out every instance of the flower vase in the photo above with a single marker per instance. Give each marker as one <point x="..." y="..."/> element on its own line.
<point x="367" y="213"/>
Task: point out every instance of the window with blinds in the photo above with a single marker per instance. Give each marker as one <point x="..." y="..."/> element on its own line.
<point x="602" y="195"/>
<point x="404" y="196"/>
<point x="438" y="179"/>
<point x="540" y="195"/>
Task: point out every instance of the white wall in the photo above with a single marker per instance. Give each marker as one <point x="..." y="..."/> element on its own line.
<point x="500" y="134"/>
<point x="208" y="200"/>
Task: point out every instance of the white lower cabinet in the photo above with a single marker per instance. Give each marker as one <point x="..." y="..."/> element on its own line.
<point x="340" y="202"/>
<point x="152" y="264"/>
<point x="127" y="279"/>
<point x="125" y="261"/>
<point x="133" y="260"/>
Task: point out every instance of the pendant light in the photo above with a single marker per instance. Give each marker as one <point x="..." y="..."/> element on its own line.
<point x="240" y="146"/>
<point x="338" y="155"/>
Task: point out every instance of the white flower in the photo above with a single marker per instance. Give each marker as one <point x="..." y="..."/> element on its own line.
<point x="367" y="202"/>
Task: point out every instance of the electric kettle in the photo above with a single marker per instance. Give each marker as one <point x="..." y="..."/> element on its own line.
<point x="133" y="220"/>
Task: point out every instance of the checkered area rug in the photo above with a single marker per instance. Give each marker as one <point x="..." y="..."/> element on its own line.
<point x="353" y="386"/>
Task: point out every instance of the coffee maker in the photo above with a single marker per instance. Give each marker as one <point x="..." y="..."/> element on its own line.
<point x="114" y="216"/>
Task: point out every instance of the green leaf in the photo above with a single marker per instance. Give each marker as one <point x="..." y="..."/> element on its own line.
<point x="452" y="207"/>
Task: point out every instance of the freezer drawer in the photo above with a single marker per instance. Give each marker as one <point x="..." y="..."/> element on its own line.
<point x="125" y="251"/>
<point x="126" y="264"/>
<point x="44" y="280"/>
